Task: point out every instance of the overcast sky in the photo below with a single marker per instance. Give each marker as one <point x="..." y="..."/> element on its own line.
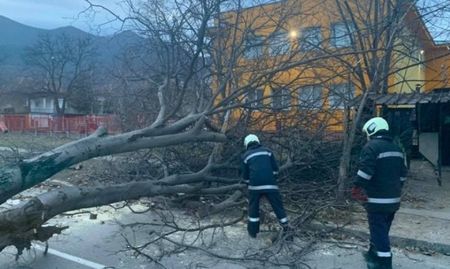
<point x="50" y="14"/>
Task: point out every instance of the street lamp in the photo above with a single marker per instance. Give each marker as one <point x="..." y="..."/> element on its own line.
<point x="293" y="34"/>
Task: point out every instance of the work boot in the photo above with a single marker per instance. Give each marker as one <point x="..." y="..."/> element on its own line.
<point x="252" y="232"/>
<point x="252" y="235"/>
<point x="288" y="232"/>
<point x="253" y="228"/>
<point x="372" y="260"/>
<point x="386" y="262"/>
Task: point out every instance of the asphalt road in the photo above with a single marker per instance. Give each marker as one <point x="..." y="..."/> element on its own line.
<point x="35" y="259"/>
<point x="96" y="244"/>
<point x="87" y="244"/>
<point x="328" y="257"/>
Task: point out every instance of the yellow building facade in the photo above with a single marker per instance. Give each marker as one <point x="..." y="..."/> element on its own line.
<point x="308" y="60"/>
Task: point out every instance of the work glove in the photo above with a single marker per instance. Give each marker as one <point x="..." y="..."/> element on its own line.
<point x="359" y="194"/>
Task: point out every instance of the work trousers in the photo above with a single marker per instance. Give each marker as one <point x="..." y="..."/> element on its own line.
<point x="379" y="226"/>
<point x="275" y="201"/>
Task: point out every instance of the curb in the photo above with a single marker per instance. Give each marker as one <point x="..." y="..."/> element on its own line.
<point x="397" y="241"/>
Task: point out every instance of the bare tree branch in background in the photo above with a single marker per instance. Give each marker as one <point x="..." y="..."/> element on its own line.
<point x="63" y="67"/>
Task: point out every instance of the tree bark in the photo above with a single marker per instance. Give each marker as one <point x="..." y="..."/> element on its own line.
<point x="30" y="172"/>
<point x="23" y="223"/>
<point x="349" y="138"/>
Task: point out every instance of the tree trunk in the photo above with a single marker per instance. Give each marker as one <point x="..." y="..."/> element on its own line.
<point x="22" y="224"/>
<point x="349" y="138"/>
<point x="344" y="161"/>
<point x="30" y="172"/>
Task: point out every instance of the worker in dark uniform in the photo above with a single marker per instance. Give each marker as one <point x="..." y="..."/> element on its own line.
<point x="379" y="180"/>
<point x="259" y="170"/>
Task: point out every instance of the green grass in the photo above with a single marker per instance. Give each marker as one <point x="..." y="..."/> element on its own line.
<point x="33" y="142"/>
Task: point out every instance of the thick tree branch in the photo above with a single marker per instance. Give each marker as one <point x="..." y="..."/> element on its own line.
<point x="21" y="224"/>
<point x="32" y="171"/>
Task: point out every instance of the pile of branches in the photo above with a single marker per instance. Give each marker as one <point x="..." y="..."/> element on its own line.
<point x="307" y="182"/>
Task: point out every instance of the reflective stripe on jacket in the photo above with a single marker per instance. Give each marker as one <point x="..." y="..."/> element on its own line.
<point x="259" y="168"/>
<point x="381" y="172"/>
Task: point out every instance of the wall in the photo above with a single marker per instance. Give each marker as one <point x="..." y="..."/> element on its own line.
<point x="429" y="146"/>
<point x="437" y="74"/>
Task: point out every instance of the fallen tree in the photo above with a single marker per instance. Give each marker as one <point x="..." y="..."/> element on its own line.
<point x="29" y="172"/>
<point x="22" y="224"/>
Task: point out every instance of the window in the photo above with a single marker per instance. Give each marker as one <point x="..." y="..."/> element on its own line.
<point x="340" y="36"/>
<point x="340" y="95"/>
<point x="49" y="102"/>
<point x="310" y="97"/>
<point x="253" y="46"/>
<point x="281" y="99"/>
<point x="279" y="43"/>
<point x="39" y="102"/>
<point x="311" y="38"/>
<point x="60" y="102"/>
<point x="254" y="98"/>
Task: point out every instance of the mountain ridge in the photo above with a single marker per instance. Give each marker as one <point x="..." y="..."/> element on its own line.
<point x="16" y="37"/>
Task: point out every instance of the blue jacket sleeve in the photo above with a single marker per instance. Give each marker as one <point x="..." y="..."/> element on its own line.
<point x="366" y="167"/>
<point x="245" y="171"/>
<point x="273" y="161"/>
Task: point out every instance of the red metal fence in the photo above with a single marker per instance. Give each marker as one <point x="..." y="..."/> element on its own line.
<point x="59" y="124"/>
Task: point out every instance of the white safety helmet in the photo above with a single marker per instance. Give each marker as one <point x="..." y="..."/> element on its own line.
<point x="374" y="125"/>
<point x="249" y="139"/>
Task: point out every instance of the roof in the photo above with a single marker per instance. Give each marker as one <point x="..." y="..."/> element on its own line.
<point x="434" y="97"/>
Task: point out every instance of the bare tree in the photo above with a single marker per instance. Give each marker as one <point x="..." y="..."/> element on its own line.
<point x="63" y="65"/>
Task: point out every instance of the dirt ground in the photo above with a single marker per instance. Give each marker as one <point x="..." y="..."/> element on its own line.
<point x="423" y="191"/>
